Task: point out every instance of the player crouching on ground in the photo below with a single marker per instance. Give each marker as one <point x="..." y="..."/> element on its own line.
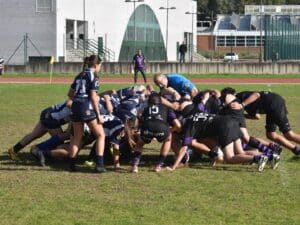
<point x="157" y="120"/>
<point x="227" y="134"/>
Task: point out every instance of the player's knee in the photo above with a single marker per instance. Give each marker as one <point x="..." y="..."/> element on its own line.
<point x="271" y="135"/>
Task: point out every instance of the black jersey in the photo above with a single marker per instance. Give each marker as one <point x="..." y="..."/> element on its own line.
<point x="84" y="83"/>
<point x="268" y="102"/>
<point x="253" y="108"/>
<point x="198" y="125"/>
<point x="202" y="125"/>
<point x="237" y="114"/>
<point x="158" y="112"/>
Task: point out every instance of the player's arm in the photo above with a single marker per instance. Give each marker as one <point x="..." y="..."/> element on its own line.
<point x="194" y="92"/>
<point x="174" y="105"/>
<point x="179" y="157"/>
<point x="108" y="104"/>
<point x="256" y="116"/>
<point x="252" y="98"/>
<point x="170" y="91"/>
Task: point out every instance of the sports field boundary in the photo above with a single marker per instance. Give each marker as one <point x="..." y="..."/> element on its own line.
<point x="64" y="80"/>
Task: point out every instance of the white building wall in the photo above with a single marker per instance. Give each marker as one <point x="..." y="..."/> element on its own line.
<point x="109" y="18"/>
<point x="18" y="17"/>
<point x="106" y="18"/>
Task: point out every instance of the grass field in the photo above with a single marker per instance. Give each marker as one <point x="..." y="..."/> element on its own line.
<point x="227" y="194"/>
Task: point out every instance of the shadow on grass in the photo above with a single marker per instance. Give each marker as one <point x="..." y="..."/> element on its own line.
<point x="295" y="158"/>
<point x="147" y="161"/>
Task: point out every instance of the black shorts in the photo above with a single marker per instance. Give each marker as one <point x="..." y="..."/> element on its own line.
<point x="240" y="119"/>
<point x="277" y="116"/>
<point x="47" y="121"/>
<point x="154" y="129"/>
<point x="81" y="111"/>
<point x="226" y="129"/>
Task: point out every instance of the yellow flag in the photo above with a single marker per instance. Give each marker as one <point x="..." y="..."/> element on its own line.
<point x="52" y="60"/>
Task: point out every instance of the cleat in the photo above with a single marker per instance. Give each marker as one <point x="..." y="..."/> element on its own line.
<point x="157" y="168"/>
<point x="72" y="168"/>
<point x="39" y="155"/>
<point x="216" y="155"/>
<point x="134" y="169"/>
<point x="90" y="164"/>
<point x="100" y="169"/>
<point x="13" y="155"/>
<point x="275" y="161"/>
<point x="262" y="162"/>
<point x="296" y="151"/>
<point x="277" y="149"/>
<point x="33" y="151"/>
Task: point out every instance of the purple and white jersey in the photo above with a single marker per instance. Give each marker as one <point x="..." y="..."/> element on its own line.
<point x="139" y="61"/>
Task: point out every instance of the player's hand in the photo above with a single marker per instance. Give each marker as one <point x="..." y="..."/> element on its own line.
<point x="170" y="168"/>
<point x="100" y="119"/>
<point x="236" y="106"/>
<point x="176" y="106"/>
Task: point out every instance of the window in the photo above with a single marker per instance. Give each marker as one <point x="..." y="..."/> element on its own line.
<point x="44" y="6"/>
<point x="258" y="41"/>
<point x="250" y="41"/>
<point x="240" y="41"/>
<point x="230" y="41"/>
<point x="221" y="41"/>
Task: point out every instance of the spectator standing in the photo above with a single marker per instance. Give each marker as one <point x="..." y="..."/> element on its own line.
<point x="139" y="65"/>
<point x="182" y="51"/>
<point x="1" y="65"/>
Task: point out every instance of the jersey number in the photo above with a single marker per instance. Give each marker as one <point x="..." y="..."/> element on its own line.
<point x="81" y="86"/>
<point x="153" y="110"/>
<point x="202" y="117"/>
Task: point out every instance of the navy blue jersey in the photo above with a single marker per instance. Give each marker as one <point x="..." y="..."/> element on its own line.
<point x="61" y="112"/>
<point x="128" y="108"/>
<point x="125" y="92"/>
<point x="113" y="128"/>
<point x="84" y="83"/>
<point x="55" y="116"/>
<point x="82" y="109"/>
<point x="102" y="106"/>
<point x="115" y="100"/>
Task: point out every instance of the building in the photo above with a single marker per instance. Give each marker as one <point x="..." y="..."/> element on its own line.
<point x="244" y="34"/>
<point x="70" y="29"/>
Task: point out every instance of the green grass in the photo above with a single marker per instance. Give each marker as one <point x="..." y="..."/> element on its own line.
<point x="197" y="195"/>
<point x="151" y="75"/>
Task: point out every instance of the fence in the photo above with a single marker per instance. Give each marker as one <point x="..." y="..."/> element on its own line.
<point x="185" y="68"/>
<point x="282" y="39"/>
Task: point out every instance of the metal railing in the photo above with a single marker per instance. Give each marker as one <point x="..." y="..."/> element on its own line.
<point x="81" y="48"/>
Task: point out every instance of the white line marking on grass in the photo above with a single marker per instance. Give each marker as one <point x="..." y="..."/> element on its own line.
<point x="283" y="172"/>
<point x="284" y="176"/>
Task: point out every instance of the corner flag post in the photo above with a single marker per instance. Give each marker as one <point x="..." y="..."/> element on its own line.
<point x="52" y="60"/>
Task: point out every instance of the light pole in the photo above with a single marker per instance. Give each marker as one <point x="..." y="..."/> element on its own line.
<point x="84" y="32"/>
<point x="192" y="44"/>
<point x="134" y="26"/>
<point x="260" y="47"/>
<point x="167" y="25"/>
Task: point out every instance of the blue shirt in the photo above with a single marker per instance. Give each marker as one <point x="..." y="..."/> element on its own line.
<point x="181" y="84"/>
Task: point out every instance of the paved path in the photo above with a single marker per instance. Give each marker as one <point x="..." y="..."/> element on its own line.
<point x="58" y="80"/>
